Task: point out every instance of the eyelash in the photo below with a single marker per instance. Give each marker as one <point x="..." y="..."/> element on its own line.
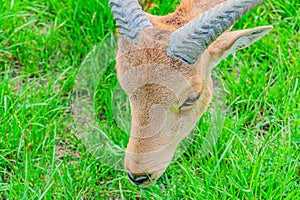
<point x="190" y="101"/>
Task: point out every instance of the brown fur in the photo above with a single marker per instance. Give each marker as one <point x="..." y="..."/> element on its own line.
<point x="185" y="12"/>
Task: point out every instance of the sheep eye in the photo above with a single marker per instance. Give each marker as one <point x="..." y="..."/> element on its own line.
<point x="191" y="100"/>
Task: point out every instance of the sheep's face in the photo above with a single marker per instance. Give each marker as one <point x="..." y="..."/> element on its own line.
<point x="167" y="97"/>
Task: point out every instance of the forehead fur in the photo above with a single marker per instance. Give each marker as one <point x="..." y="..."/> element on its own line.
<point x="151" y="49"/>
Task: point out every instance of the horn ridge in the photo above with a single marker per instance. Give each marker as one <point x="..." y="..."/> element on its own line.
<point x="130" y="18"/>
<point x="190" y="41"/>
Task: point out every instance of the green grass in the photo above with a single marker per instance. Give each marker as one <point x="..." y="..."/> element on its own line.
<point x="42" y="46"/>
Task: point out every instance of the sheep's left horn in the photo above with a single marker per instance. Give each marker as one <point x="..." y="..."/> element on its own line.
<point x="130" y="18"/>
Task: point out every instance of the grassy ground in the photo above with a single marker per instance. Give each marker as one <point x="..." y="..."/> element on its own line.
<point x="42" y="46"/>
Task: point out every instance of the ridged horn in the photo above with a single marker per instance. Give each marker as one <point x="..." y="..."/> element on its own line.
<point x="190" y="41"/>
<point x="130" y="18"/>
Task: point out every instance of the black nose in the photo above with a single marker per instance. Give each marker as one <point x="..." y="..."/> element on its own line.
<point x="138" y="179"/>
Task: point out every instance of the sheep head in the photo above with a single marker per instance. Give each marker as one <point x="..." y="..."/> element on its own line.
<point x="164" y="65"/>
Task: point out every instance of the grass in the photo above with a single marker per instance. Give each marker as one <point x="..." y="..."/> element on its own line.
<point x="42" y="46"/>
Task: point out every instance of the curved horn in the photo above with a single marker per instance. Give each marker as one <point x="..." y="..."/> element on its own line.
<point x="130" y="18"/>
<point x="190" y="41"/>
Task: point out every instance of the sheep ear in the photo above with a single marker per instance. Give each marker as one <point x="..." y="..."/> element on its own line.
<point x="229" y="42"/>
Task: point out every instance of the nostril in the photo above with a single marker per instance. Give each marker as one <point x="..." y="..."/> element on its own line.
<point x="138" y="179"/>
<point x="131" y="177"/>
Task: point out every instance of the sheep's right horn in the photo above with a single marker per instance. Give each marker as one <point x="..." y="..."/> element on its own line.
<point x="130" y="18"/>
<point x="190" y="41"/>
